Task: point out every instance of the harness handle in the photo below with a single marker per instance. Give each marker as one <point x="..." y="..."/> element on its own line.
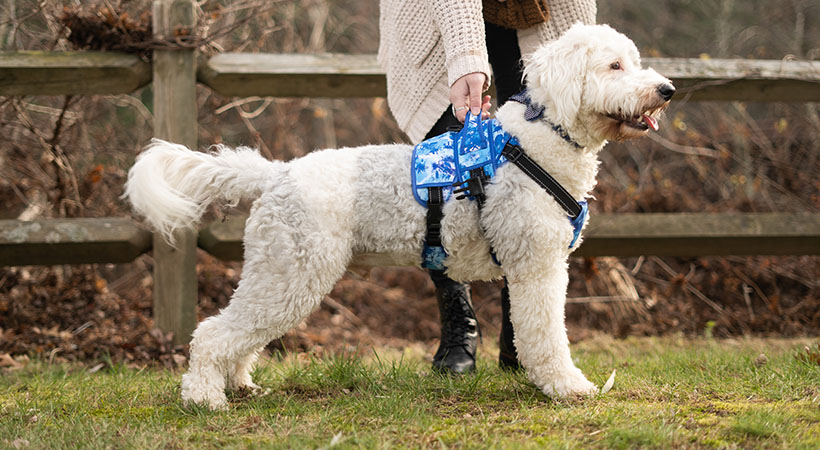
<point x="467" y="136"/>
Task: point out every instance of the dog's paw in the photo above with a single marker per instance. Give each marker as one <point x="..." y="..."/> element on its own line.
<point x="575" y="385"/>
<point x="211" y="398"/>
<point x="213" y="402"/>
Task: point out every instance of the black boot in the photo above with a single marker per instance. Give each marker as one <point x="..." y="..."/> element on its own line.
<point x="459" y="327"/>
<point x="507" y="355"/>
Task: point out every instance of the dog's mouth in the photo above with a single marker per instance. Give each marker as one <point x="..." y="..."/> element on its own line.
<point x="642" y="122"/>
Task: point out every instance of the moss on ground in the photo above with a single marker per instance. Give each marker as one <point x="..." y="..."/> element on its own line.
<point x="669" y="392"/>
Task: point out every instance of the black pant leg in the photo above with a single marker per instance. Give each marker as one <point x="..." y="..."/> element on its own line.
<point x="505" y="59"/>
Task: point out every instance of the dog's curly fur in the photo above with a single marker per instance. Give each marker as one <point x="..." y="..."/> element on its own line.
<point x="316" y="216"/>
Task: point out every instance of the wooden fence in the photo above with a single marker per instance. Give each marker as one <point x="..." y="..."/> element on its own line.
<point x="174" y="74"/>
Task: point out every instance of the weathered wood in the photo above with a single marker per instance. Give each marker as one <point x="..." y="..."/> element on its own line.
<point x="668" y="234"/>
<point x="116" y="240"/>
<point x="341" y="75"/>
<point x="175" y="285"/>
<point x="71" y="241"/>
<point x="741" y="79"/>
<point x="224" y="239"/>
<point x="338" y="75"/>
<point x="175" y="113"/>
<point x="701" y="234"/>
<point x="294" y="75"/>
<point x="58" y="73"/>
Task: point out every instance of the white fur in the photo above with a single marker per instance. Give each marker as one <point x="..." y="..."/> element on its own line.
<point x="315" y="216"/>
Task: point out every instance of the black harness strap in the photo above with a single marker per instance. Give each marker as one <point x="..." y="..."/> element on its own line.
<point x="435" y="203"/>
<point x="516" y="155"/>
<point x="475" y="190"/>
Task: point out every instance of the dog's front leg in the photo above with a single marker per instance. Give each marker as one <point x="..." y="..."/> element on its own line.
<point x="537" y="314"/>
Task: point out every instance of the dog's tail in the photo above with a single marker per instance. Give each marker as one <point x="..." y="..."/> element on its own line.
<point x="171" y="185"/>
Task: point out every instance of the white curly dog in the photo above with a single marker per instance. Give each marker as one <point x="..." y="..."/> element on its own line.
<point x="316" y="216"/>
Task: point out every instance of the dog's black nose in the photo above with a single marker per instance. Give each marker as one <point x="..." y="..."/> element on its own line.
<point x="666" y="91"/>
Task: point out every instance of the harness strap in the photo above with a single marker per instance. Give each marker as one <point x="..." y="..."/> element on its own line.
<point x="435" y="204"/>
<point x="433" y="254"/>
<point x="475" y="190"/>
<point x="516" y="155"/>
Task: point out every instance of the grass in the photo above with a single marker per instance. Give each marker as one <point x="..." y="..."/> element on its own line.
<point x="669" y="392"/>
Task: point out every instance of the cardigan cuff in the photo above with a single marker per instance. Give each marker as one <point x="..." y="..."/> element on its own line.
<point x="463" y="64"/>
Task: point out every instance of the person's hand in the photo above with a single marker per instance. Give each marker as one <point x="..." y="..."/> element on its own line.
<point x="465" y="94"/>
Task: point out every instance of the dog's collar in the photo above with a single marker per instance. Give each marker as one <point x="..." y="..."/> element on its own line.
<point x="535" y="111"/>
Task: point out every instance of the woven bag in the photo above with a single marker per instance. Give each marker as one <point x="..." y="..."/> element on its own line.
<point x="516" y="14"/>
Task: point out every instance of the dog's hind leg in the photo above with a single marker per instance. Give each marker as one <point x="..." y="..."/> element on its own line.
<point x="537" y="313"/>
<point x="282" y="282"/>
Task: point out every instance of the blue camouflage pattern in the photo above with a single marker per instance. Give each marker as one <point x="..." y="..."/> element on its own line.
<point x="446" y="160"/>
<point x="478" y="144"/>
<point x="578" y="222"/>
<point x="433" y="257"/>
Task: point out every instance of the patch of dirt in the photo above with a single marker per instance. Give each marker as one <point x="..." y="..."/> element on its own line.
<point x="103" y="312"/>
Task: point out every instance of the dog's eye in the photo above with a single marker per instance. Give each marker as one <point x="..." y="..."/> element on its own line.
<point x="615" y="66"/>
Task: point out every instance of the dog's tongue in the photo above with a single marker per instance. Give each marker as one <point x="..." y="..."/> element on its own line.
<point x="651" y="122"/>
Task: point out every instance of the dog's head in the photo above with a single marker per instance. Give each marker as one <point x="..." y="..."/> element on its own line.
<point x="592" y="76"/>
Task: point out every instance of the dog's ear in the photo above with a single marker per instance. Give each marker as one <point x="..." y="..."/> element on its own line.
<point x="555" y="75"/>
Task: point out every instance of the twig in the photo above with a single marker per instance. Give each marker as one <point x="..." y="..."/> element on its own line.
<point x="638" y="265"/>
<point x="748" y="300"/>
<point x="61" y="156"/>
<point x="689" y="286"/>
<point x="129" y="100"/>
<point x="266" y="101"/>
<point x="704" y="298"/>
<point x="602" y="299"/>
<point x="751" y="283"/>
<point x="257" y="136"/>
<point x="685" y="149"/>
<point x="343" y="310"/>
<point x="783" y="190"/>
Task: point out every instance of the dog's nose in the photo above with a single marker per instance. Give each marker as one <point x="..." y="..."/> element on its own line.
<point x="666" y="91"/>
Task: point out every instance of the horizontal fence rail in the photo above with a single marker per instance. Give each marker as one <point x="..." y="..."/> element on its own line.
<point x="71" y="241"/>
<point x="75" y="241"/>
<point x="344" y="76"/>
<point x="335" y="75"/>
<point x="666" y="234"/>
<point x="68" y="73"/>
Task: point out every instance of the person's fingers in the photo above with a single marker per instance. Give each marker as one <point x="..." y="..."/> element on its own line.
<point x="485" y="107"/>
<point x="465" y="94"/>
<point x="460" y="113"/>
<point x="475" y="82"/>
<point x="459" y="92"/>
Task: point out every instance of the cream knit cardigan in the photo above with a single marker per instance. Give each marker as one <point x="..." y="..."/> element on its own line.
<point x="426" y="45"/>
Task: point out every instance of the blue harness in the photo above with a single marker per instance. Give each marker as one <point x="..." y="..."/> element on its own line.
<point x="462" y="163"/>
<point x="446" y="161"/>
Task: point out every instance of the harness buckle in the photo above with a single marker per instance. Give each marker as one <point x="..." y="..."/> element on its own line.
<point x="512" y="152"/>
<point x="474" y="186"/>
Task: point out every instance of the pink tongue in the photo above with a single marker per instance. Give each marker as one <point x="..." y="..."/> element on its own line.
<point x="651" y="122"/>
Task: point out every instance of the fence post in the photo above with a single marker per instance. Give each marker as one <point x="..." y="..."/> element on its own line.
<point x="175" y="120"/>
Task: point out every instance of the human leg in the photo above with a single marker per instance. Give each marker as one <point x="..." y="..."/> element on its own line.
<point x="459" y="327"/>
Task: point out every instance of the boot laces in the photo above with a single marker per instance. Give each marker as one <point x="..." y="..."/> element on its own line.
<point x="462" y="326"/>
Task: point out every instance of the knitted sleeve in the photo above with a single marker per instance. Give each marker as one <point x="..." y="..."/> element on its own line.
<point x="563" y="14"/>
<point x="461" y="24"/>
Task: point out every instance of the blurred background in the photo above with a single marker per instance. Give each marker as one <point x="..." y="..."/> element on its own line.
<point x="67" y="156"/>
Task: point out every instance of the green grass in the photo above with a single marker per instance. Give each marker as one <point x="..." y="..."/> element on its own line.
<point x="669" y="393"/>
